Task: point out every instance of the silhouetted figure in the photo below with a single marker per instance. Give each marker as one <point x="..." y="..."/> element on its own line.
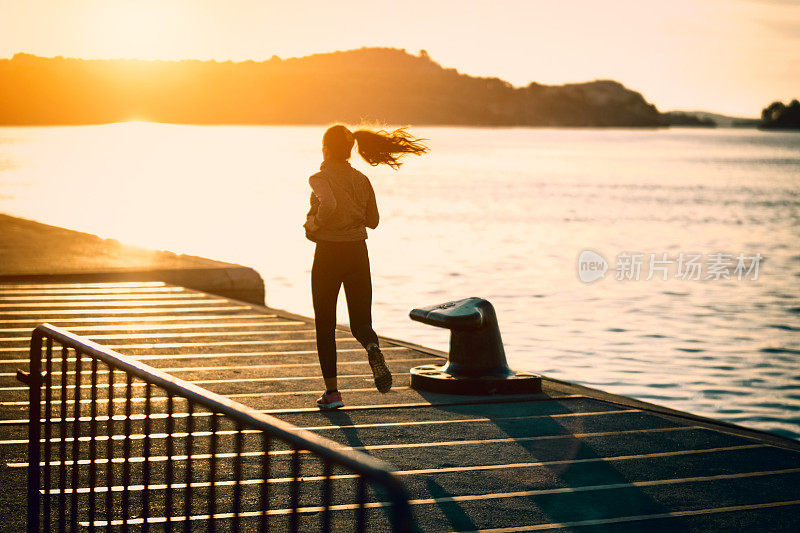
<point x="343" y="206"/>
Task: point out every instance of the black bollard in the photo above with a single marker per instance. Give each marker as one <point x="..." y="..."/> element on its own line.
<point x="477" y="361"/>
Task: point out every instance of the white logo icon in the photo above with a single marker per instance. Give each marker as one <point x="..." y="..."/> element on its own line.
<point x="591" y="266"/>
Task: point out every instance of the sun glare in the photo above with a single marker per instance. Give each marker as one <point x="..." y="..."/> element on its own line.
<point x="140" y="30"/>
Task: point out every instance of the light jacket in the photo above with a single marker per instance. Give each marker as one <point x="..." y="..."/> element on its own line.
<point x="342" y="204"/>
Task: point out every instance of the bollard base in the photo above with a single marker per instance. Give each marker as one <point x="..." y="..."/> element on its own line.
<point x="433" y="378"/>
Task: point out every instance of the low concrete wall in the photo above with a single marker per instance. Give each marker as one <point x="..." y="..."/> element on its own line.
<point x="32" y="252"/>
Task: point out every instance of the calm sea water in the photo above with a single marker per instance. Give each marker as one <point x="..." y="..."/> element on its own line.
<point x="497" y="213"/>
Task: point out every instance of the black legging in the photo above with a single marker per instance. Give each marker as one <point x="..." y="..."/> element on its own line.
<point x="336" y="263"/>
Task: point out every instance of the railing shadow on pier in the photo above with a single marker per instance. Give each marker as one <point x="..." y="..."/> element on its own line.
<point x="553" y="456"/>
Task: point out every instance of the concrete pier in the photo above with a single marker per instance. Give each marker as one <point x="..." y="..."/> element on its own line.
<point x="567" y="458"/>
<point x="32" y="252"/>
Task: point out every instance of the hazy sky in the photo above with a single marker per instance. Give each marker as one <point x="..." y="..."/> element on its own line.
<point x="730" y="56"/>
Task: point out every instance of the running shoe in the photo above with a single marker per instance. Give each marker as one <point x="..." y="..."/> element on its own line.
<point x="383" y="378"/>
<point x="330" y="400"/>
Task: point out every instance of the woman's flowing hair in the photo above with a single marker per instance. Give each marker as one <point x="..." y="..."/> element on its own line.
<point x="376" y="147"/>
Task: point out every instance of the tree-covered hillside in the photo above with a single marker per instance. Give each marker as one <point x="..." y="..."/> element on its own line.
<point x="370" y="84"/>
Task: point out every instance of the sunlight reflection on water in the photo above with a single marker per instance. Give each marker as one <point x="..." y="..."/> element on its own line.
<point x="498" y="213"/>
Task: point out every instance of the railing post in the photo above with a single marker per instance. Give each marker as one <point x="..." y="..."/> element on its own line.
<point x="34" y="433"/>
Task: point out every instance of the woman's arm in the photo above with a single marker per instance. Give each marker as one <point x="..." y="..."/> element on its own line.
<point x="372" y="217"/>
<point x="327" y="201"/>
<point x="311" y="223"/>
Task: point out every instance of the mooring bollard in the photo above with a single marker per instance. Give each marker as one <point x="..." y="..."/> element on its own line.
<point x="477" y="361"/>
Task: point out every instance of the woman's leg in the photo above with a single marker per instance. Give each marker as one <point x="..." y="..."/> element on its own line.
<point x="325" y="285"/>
<point x="358" y="291"/>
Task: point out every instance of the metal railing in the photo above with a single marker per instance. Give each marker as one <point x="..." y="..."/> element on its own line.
<point x="204" y="463"/>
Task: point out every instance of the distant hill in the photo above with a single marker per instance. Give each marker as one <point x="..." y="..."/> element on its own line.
<point x="370" y="84"/>
<point x="704" y="118"/>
